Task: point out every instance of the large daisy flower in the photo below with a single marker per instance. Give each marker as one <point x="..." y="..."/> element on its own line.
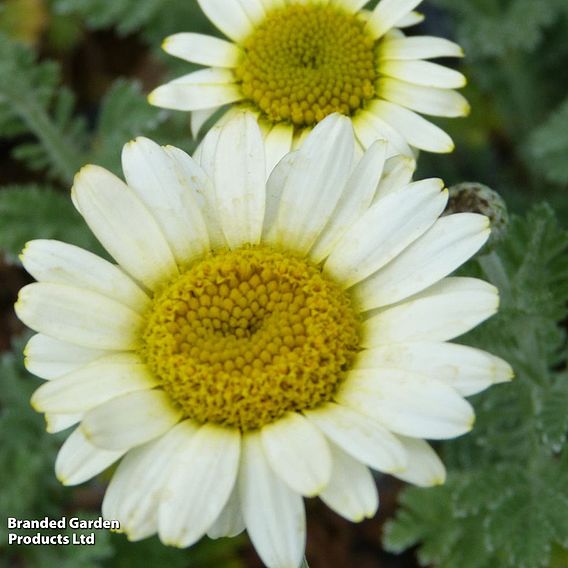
<point x="294" y="62"/>
<point x="257" y="341"/>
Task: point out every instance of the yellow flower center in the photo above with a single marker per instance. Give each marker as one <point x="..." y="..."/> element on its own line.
<point x="304" y="62"/>
<point x="247" y="335"/>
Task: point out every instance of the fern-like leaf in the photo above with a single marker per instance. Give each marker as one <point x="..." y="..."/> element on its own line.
<point x="506" y="500"/>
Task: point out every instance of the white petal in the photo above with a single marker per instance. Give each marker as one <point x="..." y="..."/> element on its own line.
<point x="425" y="468"/>
<point x="356" y="199"/>
<point x="79" y="316"/>
<point x="93" y="384"/>
<point x="447" y="245"/>
<point x="446" y="310"/>
<point x="60" y="263"/>
<point x="274" y="187"/>
<point x="359" y="151"/>
<point x="423" y="73"/>
<point x="59" y="422"/>
<point x="466" y="369"/>
<point x="133" y="495"/>
<point x="274" y="514"/>
<point x="369" y="127"/>
<point x="398" y="173"/>
<point x="78" y="460"/>
<point x="168" y="194"/>
<point x="230" y="521"/>
<point x="386" y="229"/>
<point x="207" y="150"/>
<point x="351" y="6"/>
<point x="254" y="10"/>
<point x="351" y="492"/>
<point x="298" y="453"/>
<point x="277" y="143"/>
<point x="148" y="527"/>
<point x="427" y="100"/>
<point x="360" y="436"/>
<point x="199" y="90"/>
<point x="387" y="14"/>
<point x="418" y="47"/>
<point x="408" y="404"/>
<point x="200" y="484"/>
<point x="49" y="358"/>
<point x="239" y="180"/>
<point x="200" y="182"/>
<point x="315" y="184"/>
<point x="229" y="17"/>
<point x="207" y="76"/>
<point x="410" y="20"/>
<point x="130" y="420"/>
<point x="203" y="49"/>
<point x="419" y="132"/>
<point x="124" y="226"/>
<point x="199" y="118"/>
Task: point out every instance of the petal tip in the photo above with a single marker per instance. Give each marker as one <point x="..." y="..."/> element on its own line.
<point x="24" y="251"/>
<point x="151" y="98"/>
<point x="503" y="373"/>
<point x="63" y="480"/>
<point x="437" y="481"/>
<point x="34" y="403"/>
<point x="19" y="304"/>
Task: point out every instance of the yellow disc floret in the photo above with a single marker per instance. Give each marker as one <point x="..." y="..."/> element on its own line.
<point x="305" y="61"/>
<point x="244" y="336"/>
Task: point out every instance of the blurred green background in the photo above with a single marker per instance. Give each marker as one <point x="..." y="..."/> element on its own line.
<point x="73" y="78"/>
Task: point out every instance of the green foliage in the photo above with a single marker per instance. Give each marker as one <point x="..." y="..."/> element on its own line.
<point x="32" y="212"/>
<point x="124" y="114"/>
<point x="31" y="100"/>
<point x="156" y="18"/>
<point x="549" y="146"/>
<point x="494" y="28"/>
<point x="506" y="500"/>
<point x="515" y="139"/>
<point x="151" y="552"/>
<point x="27" y="452"/>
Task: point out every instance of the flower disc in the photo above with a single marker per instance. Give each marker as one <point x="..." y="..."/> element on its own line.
<point x="304" y="62"/>
<point x="245" y="336"/>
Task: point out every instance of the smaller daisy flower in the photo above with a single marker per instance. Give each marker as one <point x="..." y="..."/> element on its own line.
<point x="256" y="341"/>
<point x="293" y="63"/>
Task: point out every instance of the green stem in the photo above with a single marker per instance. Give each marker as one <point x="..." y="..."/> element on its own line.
<point x="304" y="563"/>
<point x="38" y="121"/>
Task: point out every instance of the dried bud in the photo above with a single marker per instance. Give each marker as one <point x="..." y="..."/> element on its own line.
<point x="478" y="198"/>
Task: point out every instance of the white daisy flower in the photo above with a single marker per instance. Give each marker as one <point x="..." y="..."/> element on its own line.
<point x="256" y="341"/>
<point x="294" y="62"/>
